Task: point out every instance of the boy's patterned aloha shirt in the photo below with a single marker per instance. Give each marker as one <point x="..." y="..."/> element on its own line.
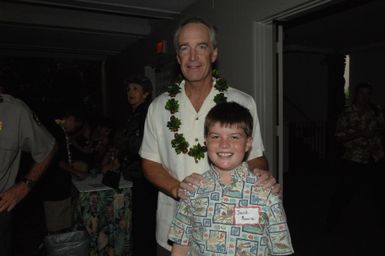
<point x="206" y="221"/>
<point x="362" y="149"/>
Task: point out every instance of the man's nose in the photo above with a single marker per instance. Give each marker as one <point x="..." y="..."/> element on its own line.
<point x="193" y="54"/>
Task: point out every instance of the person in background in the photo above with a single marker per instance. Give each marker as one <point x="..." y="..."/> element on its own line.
<point x="56" y="185"/>
<point x="227" y="213"/>
<point x="173" y="149"/>
<point x="100" y="140"/>
<point x="123" y="155"/>
<point x="78" y="154"/>
<point x="74" y="158"/>
<point x="20" y="130"/>
<point x="360" y="128"/>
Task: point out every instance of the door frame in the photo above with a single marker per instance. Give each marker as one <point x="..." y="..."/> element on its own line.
<point x="268" y="80"/>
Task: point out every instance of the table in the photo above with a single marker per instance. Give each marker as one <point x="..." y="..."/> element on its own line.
<point x="105" y="213"/>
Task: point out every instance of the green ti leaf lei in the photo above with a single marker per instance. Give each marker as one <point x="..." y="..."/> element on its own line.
<point x="179" y="143"/>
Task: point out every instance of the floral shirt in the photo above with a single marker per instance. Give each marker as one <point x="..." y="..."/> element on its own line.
<point x="207" y="220"/>
<point x="361" y="149"/>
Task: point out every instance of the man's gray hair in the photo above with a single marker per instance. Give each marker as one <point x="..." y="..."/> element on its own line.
<point x="197" y="20"/>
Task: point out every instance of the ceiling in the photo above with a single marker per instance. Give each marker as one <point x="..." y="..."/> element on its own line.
<point x="100" y="28"/>
<point x="346" y="27"/>
<point x="86" y="28"/>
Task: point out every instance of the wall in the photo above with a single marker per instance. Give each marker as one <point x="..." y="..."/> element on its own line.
<point x="235" y="20"/>
<point x="306" y="82"/>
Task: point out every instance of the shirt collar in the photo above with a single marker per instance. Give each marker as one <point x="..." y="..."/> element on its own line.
<point x="238" y="173"/>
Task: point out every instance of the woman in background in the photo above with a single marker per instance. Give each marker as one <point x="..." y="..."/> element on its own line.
<point x="123" y="155"/>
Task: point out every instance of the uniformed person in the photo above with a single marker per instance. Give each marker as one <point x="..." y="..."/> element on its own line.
<point x="20" y="130"/>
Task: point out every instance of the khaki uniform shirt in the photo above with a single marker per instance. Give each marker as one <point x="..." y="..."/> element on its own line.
<point x="20" y="130"/>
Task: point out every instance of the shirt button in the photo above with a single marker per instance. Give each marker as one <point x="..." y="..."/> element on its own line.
<point x="196" y="118"/>
<point x="196" y="139"/>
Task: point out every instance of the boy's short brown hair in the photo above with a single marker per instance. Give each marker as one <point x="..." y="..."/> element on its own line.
<point x="229" y="114"/>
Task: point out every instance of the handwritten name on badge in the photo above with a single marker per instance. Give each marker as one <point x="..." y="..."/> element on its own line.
<point x="247" y="215"/>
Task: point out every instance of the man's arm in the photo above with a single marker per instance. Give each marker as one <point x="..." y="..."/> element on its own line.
<point x="11" y="197"/>
<point x="161" y="178"/>
<point x="73" y="171"/>
<point x="179" y="250"/>
<point x="259" y="163"/>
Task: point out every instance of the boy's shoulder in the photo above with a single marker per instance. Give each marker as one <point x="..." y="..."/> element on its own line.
<point x="208" y="178"/>
<point x="258" y="192"/>
<point x="207" y="174"/>
<point x="207" y="185"/>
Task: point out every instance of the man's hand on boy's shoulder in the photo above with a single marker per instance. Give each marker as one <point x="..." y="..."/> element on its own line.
<point x="265" y="179"/>
<point x="268" y="181"/>
<point x="259" y="166"/>
<point x="187" y="184"/>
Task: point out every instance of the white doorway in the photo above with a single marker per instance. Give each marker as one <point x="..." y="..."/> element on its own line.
<point x="268" y="80"/>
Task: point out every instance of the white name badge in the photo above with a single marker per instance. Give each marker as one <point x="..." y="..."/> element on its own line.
<point x="247" y="215"/>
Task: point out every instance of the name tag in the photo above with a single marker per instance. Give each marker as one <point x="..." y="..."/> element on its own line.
<point x="247" y="215"/>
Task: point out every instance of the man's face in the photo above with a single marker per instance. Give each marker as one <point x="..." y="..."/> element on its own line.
<point x="70" y="124"/>
<point x="195" y="52"/>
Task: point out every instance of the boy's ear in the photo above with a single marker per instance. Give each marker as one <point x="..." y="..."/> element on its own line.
<point x="249" y="143"/>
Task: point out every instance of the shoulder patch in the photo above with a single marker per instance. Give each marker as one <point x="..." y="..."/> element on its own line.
<point x="36" y="119"/>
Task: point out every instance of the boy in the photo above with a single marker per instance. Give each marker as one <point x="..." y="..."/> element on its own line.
<point x="228" y="214"/>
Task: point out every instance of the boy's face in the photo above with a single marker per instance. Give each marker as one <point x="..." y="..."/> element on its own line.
<point x="226" y="146"/>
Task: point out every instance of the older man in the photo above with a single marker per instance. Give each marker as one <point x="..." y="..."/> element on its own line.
<point x="173" y="149"/>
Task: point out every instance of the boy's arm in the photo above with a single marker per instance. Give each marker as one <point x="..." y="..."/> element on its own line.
<point x="179" y="250"/>
<point x="278" y="228"/>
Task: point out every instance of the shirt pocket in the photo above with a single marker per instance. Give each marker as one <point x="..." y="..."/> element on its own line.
<point x="8" y="144"/>
<point x="8" y="153"/>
